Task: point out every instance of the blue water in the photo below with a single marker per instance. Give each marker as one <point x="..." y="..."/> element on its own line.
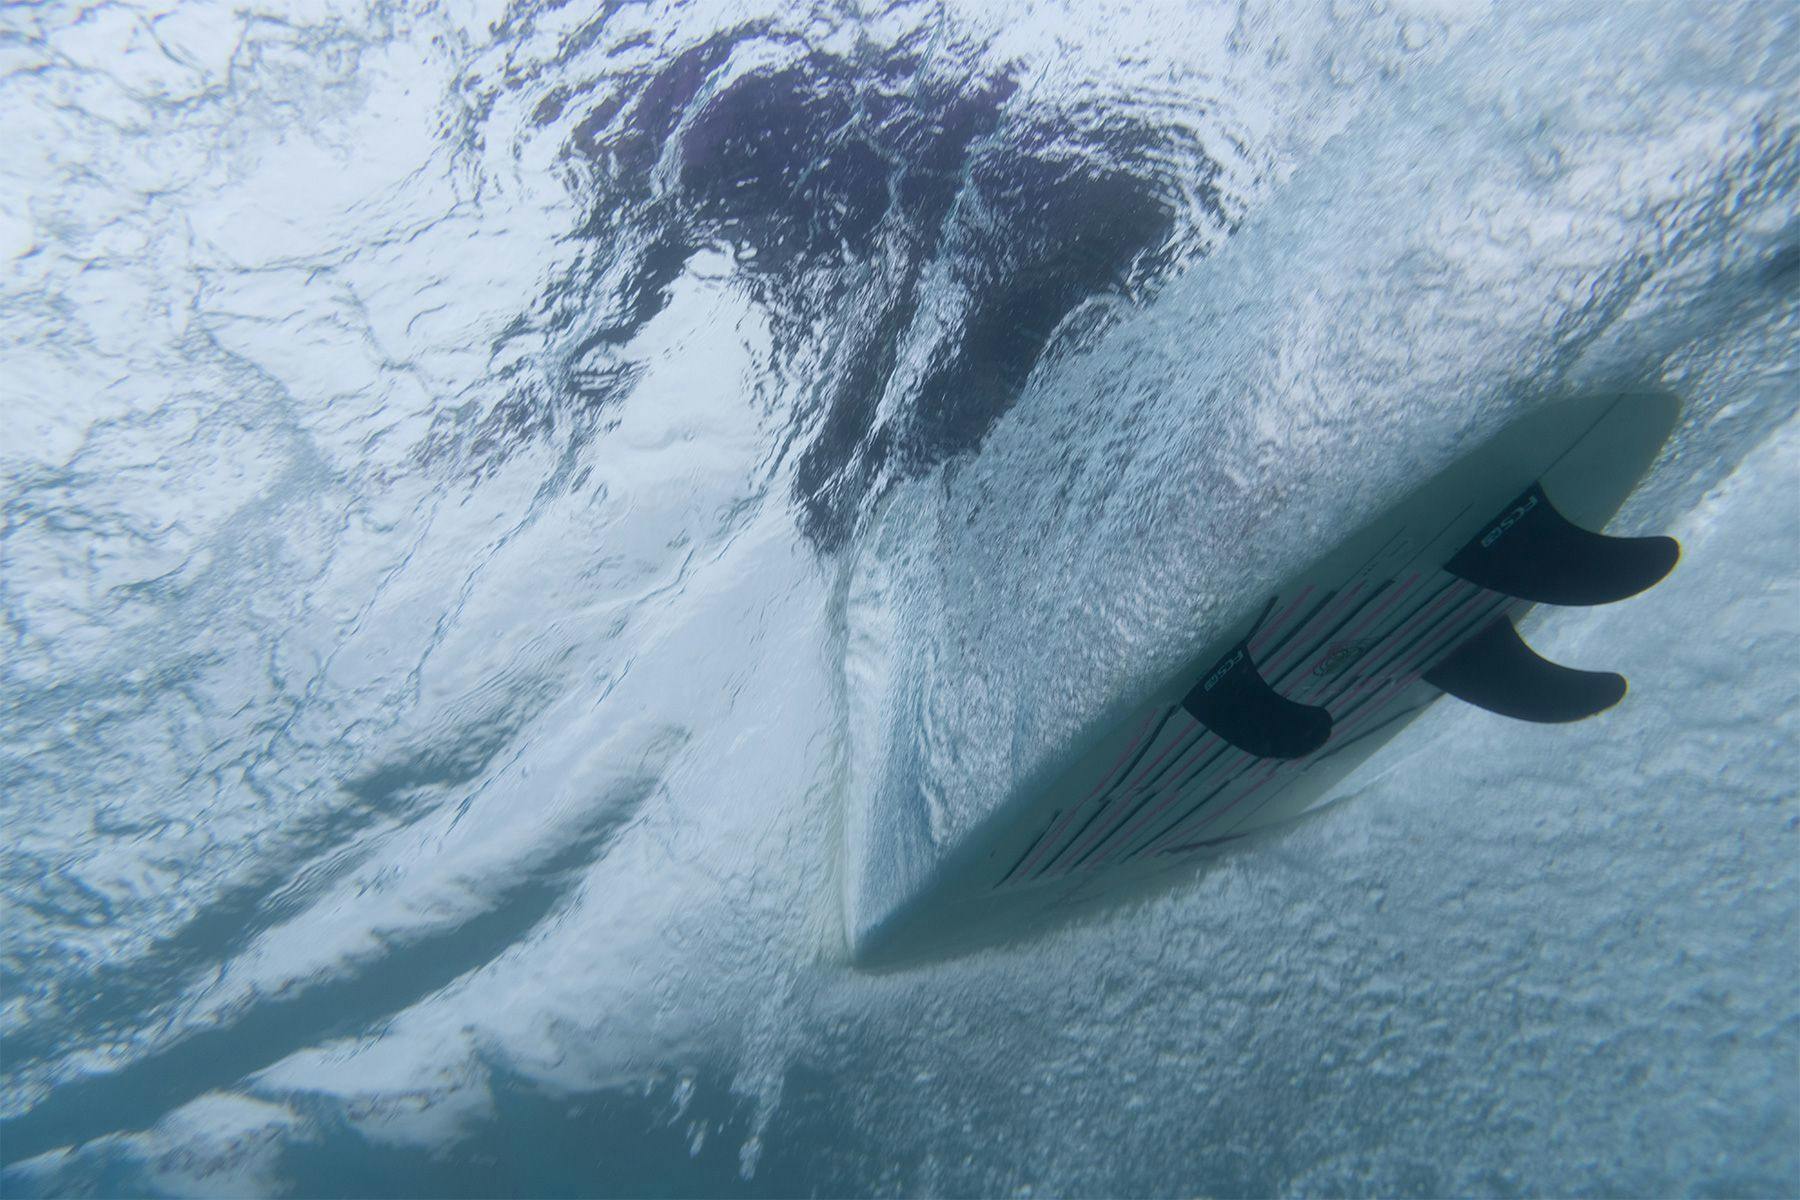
<point x="519" y="519"/>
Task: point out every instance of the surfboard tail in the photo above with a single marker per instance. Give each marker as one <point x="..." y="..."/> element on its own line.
<point x="1530" y="551"/>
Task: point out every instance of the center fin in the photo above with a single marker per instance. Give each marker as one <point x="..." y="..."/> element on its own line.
<point x="1237" y="703"/>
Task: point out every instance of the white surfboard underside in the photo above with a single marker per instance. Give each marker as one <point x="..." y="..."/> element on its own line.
<point x="1155" y="792"/>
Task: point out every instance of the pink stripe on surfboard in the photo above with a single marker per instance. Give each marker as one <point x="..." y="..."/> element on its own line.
<point x="1051" y="838"/>
<point x="1429" y="642"/>
<point x="1183" y="745"/>
<point x="1451" y="632"/>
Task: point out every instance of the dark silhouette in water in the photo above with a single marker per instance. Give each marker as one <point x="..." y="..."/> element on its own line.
<point x="866" y="186"/>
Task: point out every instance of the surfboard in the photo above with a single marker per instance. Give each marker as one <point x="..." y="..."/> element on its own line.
<point x="1264" y="720"/>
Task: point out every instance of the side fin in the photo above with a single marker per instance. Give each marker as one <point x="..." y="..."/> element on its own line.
<point x="1238" y="704"/>
<point x="1497" y="671"/>
<point x="1533" y="552"/>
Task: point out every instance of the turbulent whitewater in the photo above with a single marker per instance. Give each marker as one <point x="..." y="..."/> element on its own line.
<point x="522" y="523"/>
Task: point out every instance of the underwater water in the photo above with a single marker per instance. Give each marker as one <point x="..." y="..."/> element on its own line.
<point x="497" y="496"/>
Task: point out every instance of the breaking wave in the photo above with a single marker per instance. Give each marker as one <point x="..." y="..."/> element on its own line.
<point x="518" y="517"/>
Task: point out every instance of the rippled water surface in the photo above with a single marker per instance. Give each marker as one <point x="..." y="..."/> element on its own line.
<point x="522" y="522"/>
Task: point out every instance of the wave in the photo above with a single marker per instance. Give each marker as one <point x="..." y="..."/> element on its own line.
<point x="527" y="523"/>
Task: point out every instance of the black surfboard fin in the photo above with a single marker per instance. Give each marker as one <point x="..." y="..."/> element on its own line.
<point x="1497" y="671"/>
<point x="1535" y="553"/>
<point x="1237" y="703"/>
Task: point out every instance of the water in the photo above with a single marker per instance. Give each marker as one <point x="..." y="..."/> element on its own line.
<point x="497" y="499"/>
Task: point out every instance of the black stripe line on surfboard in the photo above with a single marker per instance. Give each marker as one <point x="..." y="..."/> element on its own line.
<point x="1194" y="771"/>
<point x="1104" y="820"/>
<point x="1285" y="670"/>
<point x="1417" y="623"/>
<point x="1057" y="831"/>
<point x="1462" y="622"/>
<point x="1419" y="637"/>
<point x="1105" y="802"/>
<point x="1430" y="636"/>
<point x="1082" y="843"/>
<point x="1190" y="847"/>
<point x="1187" y="801"/>
<point x="1297" y="627"/>
<point x="1026" y="853"/>
<point x="1298" y="637"/>
<point x="1144" y="737"/>
<point x="1290" y="667"/>
<point x="1238" y="786"/>
<point x="1378" y="704"/>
